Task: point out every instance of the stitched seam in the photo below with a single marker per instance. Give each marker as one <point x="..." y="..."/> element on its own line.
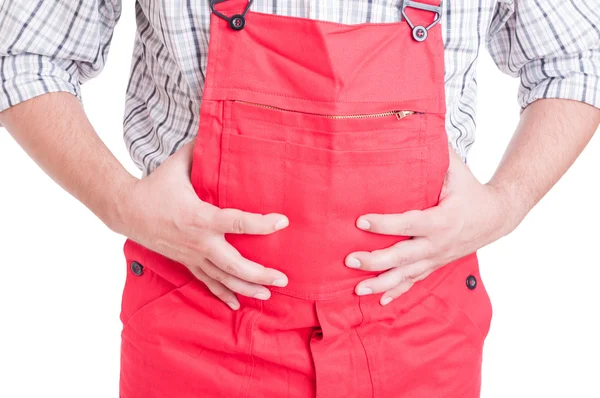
<point x="217" y="58"/>
<point x="407" y="129"/>
<point x="213" y="58"/>
<point x="363" y="346"/>
<point x="315" y="148"/>
<point x="347" y="162"/>
<point x="422" y="188"/>
<point x="424" y="169"/>
<point x="286" y="181"/>
<point x="250" y="350"/>
<point x="156" y="300"/>
<point x="325" y="101"/>
<point x="301" y="19"/>
<point x="455" y="308"/>
<point x="223" y="163"/>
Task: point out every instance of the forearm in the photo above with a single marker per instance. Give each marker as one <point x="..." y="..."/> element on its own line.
<point x="55" y="132"/>
<point x="549" y="137"/>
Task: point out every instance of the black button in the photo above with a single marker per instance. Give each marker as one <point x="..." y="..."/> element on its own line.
<point x="137" y="268"/>
<point x="237" y="22"/>
<point x="419" y="33"/>
<point x="471" y="282"/>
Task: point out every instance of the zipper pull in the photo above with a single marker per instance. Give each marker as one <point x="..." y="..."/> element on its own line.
<point x="402" y="114"/>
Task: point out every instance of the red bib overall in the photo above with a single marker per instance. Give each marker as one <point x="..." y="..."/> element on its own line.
<point x="322" y="122"/>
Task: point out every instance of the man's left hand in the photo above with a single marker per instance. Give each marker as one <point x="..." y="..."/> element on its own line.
<point x="469" y="216"/>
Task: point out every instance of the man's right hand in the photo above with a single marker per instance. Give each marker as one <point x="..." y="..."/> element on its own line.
<point x="163" y="213"/>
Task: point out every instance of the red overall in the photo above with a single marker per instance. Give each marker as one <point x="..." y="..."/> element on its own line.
<point x="322" y="122"/>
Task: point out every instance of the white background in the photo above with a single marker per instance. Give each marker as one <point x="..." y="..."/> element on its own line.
<point x="62" y="271"/>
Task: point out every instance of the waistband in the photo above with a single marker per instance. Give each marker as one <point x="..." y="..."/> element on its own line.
<point x="177" y="274"/>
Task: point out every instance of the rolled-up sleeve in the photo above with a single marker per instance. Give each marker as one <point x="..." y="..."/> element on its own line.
<point x="50" y="46"/>
<point x="553" y="46"/>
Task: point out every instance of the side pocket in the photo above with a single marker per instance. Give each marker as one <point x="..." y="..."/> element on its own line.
<point x="146" y="282"/>
<point x="460" y="296"/>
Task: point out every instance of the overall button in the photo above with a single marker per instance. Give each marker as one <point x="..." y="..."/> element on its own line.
<point x="471" y="282"/>
<point x="237" y="22"/>
<point x="137" y="268"/>
<point x="420" y="33"/>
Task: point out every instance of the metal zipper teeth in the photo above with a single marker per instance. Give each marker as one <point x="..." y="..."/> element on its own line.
<point x="399" y="114"/>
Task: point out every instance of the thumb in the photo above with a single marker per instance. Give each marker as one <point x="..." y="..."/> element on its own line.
<point x="181" y="161"/>
<point x="457" y="169"/>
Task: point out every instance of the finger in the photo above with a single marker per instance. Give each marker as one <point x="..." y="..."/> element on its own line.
<point x="217" y="288"/>
<point x="401" y="254"/>
<point x="233" y="221"/>
<point x="410" y="223"/>
<point x="392" y="278"/>
<point x="227" y="258"/>
<point x="399" y="290"/>
<point x="235" y="284"/>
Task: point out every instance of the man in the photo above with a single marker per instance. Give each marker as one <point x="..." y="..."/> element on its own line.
<point x="321" y="149"/>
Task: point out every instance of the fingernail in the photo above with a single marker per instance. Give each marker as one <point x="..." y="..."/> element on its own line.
<point x="234" y="306"/>
<point x="364" y="291"/>
<point x="363" y="224"/>
<point x="280" y="282"/>
<point x="262" y="296"/>
<point x="281" y="224"/>
<point x="386" y="300"/>
<point x="352" y="262"/>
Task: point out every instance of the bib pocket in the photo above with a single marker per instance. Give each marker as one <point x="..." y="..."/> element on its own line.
<point x="322" y="173"/>
<point x="269" y="155"/>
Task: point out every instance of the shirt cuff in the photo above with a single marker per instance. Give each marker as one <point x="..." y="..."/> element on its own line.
<point x="26" y="76"/>
<point x="578" y="85"/>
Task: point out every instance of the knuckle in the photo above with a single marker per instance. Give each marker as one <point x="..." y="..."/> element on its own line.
<point x="400" y="260"/>
<point x="190" y="218"/>
<point x="405" y="228"/>
<point x="235" y="220"/>
<point x="231" y="269"/>
<point x="428" y="248"/>
<point x="206" y="248"/>
<point x="198" y="219"/>
<point x="220" y="278"/>
<point x="238" y="225"/>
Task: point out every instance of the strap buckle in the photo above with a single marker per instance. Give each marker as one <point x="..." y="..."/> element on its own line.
<point x="420" y="32"/>
<point x="237" y="21"/>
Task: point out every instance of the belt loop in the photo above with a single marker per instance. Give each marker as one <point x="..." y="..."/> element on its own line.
<point x="420" y="32"/>
<point x="237" y="21"/>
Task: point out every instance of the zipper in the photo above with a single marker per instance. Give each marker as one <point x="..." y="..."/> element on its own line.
<point x="399" y="114"/>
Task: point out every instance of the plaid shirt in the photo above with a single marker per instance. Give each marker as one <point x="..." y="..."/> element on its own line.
<point x="553" y="46"/>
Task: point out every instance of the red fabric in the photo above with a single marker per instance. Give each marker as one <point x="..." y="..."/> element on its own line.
<point x="315" y="337"/>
